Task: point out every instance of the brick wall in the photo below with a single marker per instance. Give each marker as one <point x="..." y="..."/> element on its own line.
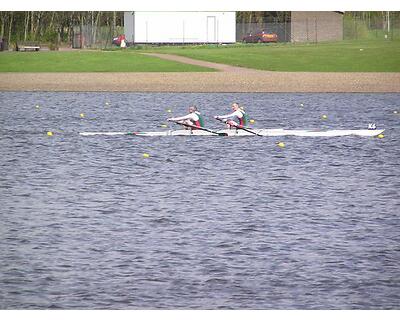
<point x="315" y="26"/>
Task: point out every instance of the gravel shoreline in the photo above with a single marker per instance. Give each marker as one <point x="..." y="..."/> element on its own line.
<point x="228" y="79"/>
<point x="258" y="81"/>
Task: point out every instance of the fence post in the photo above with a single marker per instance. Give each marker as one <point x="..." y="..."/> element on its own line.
<point x="391" y="30"/>
<point x="285" y="31"/>
<point x="292" y="32"/>
<point x="307" y="29"/>
<point x="356" y="29"/>
<point x="316" y="29"/>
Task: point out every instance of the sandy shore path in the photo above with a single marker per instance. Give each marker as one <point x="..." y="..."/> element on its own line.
<point x="227" y="79"/>
<point x="213" y="65"/>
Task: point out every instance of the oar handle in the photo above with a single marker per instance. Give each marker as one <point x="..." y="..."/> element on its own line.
<point x="240" y="127"/>
<point x="182" y="123"/>
<point x="199" y="128"/>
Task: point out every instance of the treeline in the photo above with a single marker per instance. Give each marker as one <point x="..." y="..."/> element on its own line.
<point x="262" y="16"/>
<point x="373" y="19"/>
<point x="376" y="19"/>
<point x="58" y="26"/>
<point x="52" y="26"/>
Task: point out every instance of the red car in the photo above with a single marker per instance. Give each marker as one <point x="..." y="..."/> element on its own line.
<point x="260" y="37"/>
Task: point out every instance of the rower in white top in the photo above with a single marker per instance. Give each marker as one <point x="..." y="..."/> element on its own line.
<point x="237" y="119"/>
<point x="193" y="119"/>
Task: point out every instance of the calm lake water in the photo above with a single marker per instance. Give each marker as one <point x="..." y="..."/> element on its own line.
<point x="204" y="222"/>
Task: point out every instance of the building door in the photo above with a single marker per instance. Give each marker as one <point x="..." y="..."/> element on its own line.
<point x="211" y="29"/>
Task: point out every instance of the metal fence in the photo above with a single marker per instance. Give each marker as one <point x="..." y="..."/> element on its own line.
<point x="311" y="29"/>
<point x="322" y="28"/>
<point x="282" y="29"/>
<point x="374" y="28"/>
<point x="92" y="37"/>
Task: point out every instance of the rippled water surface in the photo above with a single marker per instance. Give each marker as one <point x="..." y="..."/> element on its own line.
<point x="204" y="222"/>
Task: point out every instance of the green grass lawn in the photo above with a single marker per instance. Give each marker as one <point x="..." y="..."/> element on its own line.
<point x="89" y="61"/>
<point x="350" y="56"/>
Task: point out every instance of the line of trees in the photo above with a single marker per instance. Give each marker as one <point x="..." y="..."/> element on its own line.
<point x="57" y="26"/>
<point x="52" y="26"/>
<point x="356" y="24"/>
<point x="262" y="16"/>
<point x="376" y="19"/>
<point x="373" y="19"/>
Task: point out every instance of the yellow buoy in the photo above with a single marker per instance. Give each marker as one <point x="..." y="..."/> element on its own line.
<point x="395" y="112"/>
<point x="82" y="115"/>
<point x="280" y="144"/>
<point x="146" y="155"/>
<point x="252" y="120"/>
<point x="37" y="107"/>
<point x="169" y="110"/>
<point x="324" y="117"/>
<point x="107" y="103"/>
<point x="381" y="135"/>
<point x="163" y="126"/>
<point x="49" y="133"/>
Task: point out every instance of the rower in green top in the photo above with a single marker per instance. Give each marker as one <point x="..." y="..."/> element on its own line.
<point x="237" y="119"/>
<point x="193" y="119"/>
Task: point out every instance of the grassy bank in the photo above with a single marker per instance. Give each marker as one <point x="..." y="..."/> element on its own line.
<point x="345" y="56"/>
<point x="89" y="61"/>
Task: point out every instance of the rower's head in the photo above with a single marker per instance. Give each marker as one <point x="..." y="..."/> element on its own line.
<point x="235" y="106"/>
<point x="192" y="109"/>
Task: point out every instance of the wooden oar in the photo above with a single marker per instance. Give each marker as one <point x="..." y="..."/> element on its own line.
<point x="241" y="127"/>
<point x="222" y="134"/>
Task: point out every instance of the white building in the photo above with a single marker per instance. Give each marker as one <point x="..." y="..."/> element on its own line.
<point x="180" y="27"/>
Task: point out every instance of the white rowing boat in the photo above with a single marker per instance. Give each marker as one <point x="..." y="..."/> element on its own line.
<point x="239" y="132"/>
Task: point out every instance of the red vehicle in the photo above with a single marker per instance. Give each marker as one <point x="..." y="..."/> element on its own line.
<point x="260" y="37"/>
